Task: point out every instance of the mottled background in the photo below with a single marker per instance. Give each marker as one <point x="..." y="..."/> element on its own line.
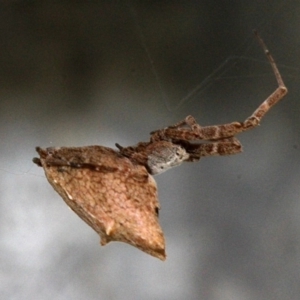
<point x="99" y="72"/>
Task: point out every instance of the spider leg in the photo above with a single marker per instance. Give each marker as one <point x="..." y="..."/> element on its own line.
<point x="178" y="125"/>
<point x="174" y="131"/>
<point x="222" y="147"/>
<point x="275" y="97"/>
<point x="208" y="133"/>
<point x="159" y="135"/>
<point x="254" y="120"/>
<point x="216" y="132"/>
<point x="189" y="121"/>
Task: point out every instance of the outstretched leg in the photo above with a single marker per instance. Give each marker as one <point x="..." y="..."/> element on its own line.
<point x="276" y="96"/>
<point x="196" y="132"/>
<point x="221" y="147"/>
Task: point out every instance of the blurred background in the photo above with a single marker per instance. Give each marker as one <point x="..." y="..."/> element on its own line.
<point x="100" y="72"/>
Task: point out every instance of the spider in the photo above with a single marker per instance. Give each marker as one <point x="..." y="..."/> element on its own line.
<point x="114" y="192"/>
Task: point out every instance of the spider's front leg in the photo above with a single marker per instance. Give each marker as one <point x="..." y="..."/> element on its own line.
<point x="190" y="130"/>
<point x="220" y="147"/>
<point x="275" y="97"/>
<point x="217" y="132"/>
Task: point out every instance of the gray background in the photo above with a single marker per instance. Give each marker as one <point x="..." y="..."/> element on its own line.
<point x="112" y="71"/>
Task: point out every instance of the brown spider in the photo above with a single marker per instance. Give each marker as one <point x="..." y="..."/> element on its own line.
<point x="114" y="192"/>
